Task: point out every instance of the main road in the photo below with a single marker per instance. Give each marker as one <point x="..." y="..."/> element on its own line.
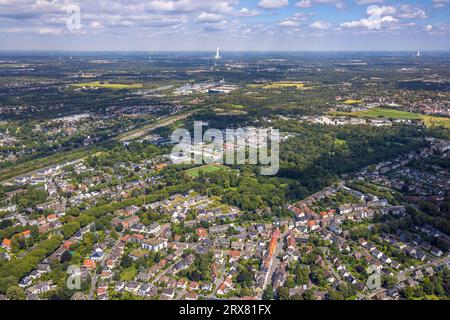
<point x="274" y="263"/>
<point x="164" y="122"/>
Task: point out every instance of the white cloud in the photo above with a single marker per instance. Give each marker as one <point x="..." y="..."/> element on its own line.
<point x="380" y="11"/>
<point x="304" y="4"/>
<point x="289" y="23"/>
<point x="273" y="4"/>
<point x="209" y="17"/>
<point x="245" y="12"/>
<point x="409" y="12"/>
<point x="49" y="31"/>
<point x="370" y="23"/>
<point x="440" y="3"/>
<point x="367" y="2"/>
<point x="96" y="25"/>
<point x="310" y="3"/>
<point x="321" y="25"/>
<point x="295" y="20"/>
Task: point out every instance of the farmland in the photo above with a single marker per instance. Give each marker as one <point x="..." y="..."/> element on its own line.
<point x="106" y="85"/>
<point x="280" y="85"/>
<point x="352" y="102"/>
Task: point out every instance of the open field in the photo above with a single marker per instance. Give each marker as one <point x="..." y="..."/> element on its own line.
<point x="194" y="172"/>
<point x="106" y="85"/>
<point x="387" y="113"/>
<point x="232" y="112"/>
<point x="351" y="102"/>
<point x="279" y="85"/>
<point x="401" y="115"/>
<point x="431" y="121"/>
<point x="128" y="274"/>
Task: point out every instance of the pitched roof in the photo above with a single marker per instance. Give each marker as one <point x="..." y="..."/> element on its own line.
<point x="7" y="242"/>
<point x="89" y="263"/>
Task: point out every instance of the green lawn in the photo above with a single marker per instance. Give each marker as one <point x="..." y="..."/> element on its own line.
<point x="388" y="113"/>
<point x="194" y="172"/>
<point x="128" y="274"/>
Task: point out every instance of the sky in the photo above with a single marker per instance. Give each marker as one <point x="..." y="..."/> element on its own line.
<point x="233" y="25"/>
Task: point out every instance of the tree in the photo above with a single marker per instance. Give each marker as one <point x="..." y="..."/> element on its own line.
<point x="126" y="261"/>
<point x="301" y="275"/>
<point x="70" y="228"/>
<point x="66" y="256"/>
<point x="389" y="282"/>
<point x="268" y="293"/>
<point x="15" y="293"/>
<point x="283" y="293"/>
<point x="428" y="286"/>
<point x="290" y="282"/>
<point x="245" y="277"/>
<point x="335" y="295"/>
<point x="309" y="295"/>
<point x="408" y="293"/>
<point x="317" y="275"/>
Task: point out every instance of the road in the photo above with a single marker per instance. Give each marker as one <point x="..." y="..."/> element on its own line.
<point x="219" y="280"/>
<point x="102" y="264"/>
<point x="402" y="276"/>
<point x="156" y="280"/>
<point x="274" y="262"/>
<point x="143" y="131"/>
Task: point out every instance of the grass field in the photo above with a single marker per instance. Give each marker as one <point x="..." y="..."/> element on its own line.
<point x="388" y="113"/>
<point x="194" y="172"/>
<point x="279" y="85"/>
<point x="128" y="274"/>
<point x="106" y="85"/>
<point x="351" y="102"/>
<point x="431" y="121"/>
<point x="401" y="115"/>
<point x="232" y="112"/>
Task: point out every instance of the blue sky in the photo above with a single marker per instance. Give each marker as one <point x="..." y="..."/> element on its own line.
<point x="152" y="25"/>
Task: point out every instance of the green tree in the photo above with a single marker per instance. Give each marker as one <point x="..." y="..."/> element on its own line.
<point x="126" y="261"/>
<point x="15" y="293"/>
<point x="283" y="293"/>
<point x="268" y="293"/>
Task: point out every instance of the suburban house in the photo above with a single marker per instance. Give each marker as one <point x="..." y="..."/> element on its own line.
<point x="154" y="244"/>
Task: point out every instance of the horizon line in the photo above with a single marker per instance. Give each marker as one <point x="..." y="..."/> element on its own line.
<point x="222" y="50"/>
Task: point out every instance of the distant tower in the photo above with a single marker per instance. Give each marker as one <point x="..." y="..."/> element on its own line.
<point x="218" y="57"/>
<point x="419" y="53"/>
